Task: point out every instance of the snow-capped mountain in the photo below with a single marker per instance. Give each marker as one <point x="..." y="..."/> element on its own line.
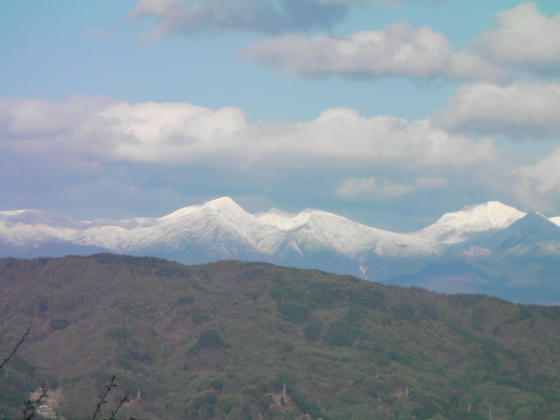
<point x="483" y="237"/>
<point x="218" y="223"/>
<point x="222" y="224"/>
<point x="457" y="227"/>
<point x="532" y="234"/>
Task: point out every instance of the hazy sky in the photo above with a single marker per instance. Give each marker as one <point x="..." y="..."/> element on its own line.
<point x="390" y="112"/>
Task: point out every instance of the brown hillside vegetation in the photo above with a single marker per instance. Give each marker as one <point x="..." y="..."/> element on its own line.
<point x="234" y="340"/>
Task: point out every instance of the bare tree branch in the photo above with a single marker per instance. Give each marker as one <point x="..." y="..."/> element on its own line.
<point x="121" y="402"/>
<point x="30" y="407"/>
<point x="15" y="348"/>
<point x="102" y="397"/>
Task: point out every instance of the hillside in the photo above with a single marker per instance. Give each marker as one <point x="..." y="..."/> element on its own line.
<point x="222" y="340"/>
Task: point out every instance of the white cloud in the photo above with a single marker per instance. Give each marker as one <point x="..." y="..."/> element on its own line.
<point x="38" y="126"/>
<point x="268" y="16"/>
<point x="183" y="137"/>
<point x="38" y="117"/>
<point x="524" y="36"/>
<point x="168" y="132"/>
<point x="342" y="134"/>
<point x="539" y="184"/>
<point x="520" y="110"/>
<point x="181" y="133"/>
<point x="355" y="187"/>
<point x="396" y="50"/>
<point x="370" y="188"/>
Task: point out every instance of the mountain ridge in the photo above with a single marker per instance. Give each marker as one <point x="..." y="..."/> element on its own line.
<point x="454" y="227"/>
<point x="467" y="220"/>
<point x="222" y="229"/>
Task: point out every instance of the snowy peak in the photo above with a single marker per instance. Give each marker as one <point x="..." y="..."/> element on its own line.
<point x="535" y="225"/>
<point x="221" y="225"/>
<point x="313" y="230"/>
<point x="455" y="227"/>
<point x="223" y="229"/>
<point x="222" y="204"/>
<point x="531" y="234"/>
<point x="492" y="214"/>
<point x="485" y="216"/>
<point x="288" y="221"/>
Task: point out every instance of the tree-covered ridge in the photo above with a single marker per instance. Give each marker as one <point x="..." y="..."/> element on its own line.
<point x="251" y="340"/>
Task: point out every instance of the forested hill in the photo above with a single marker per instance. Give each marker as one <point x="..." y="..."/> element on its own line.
<point x="241" y="340"/>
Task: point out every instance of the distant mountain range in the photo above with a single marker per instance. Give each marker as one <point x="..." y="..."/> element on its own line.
<point x="488" y="248"/>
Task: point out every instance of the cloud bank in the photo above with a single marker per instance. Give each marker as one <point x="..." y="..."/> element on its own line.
<point x="396" y="50"/>
<point x="540" y="179"/>
<point x="103" y="132"/>
<point x="264" y="16"/>
<point x="524" y="36"/>
<point x="267" y="16"/>
<point x="522" y="110"/>
<point x="182" y="133"/>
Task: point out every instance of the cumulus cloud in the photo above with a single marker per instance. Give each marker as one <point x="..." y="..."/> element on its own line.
<point x="523" y="36"/>
<point x="38" y="117"/>
<point x="103" y="128"/>
<point x="171" y="137"/>
<point x="268" y="16"/>
<point x="342" y="134"/>
<point x="539" y="183"/>
<point x="396" y="50"/>
<point x="168" y="132"/>
<point x="371" y="188"/>
<point x="521" y="110"/>
<point x="38" y="126"/>
<point x="353" y="187"/>
<point x="182" y="133"/>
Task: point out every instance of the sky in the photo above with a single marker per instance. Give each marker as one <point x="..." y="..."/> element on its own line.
<point x="390" y="112"/>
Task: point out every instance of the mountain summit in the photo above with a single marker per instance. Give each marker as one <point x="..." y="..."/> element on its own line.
<point x="456" y="227"/>
<point x="530" y="234"/>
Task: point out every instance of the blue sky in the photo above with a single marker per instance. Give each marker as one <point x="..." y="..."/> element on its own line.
<point x="390" y="112"/>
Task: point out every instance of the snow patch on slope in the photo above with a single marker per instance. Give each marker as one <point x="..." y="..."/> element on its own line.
<point x="314" y="230"/>
<point x="280" y="219"/>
